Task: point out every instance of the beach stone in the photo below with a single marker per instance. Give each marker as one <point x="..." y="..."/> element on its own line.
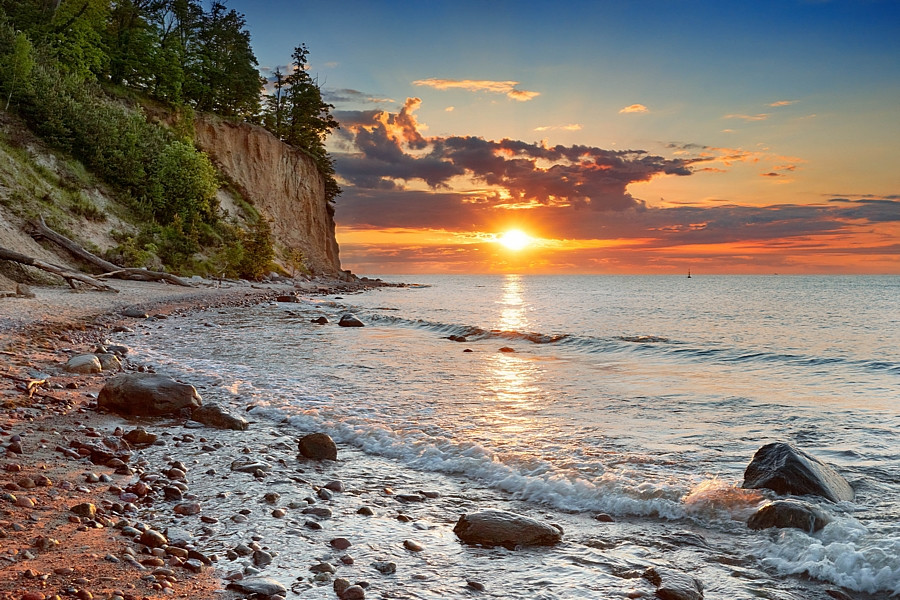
<point x="323" y="567"/>
<point x="318" y="446"/>
<point x="319" y="321"/>
<point x="335" y="486"/>
<point x="83" y="364"/>
<point x="340" y="543"/>
<point x="340" y="585"/>
<point x="507" y="349"/>
<point x="385" y="567"/>
<point x="787" y="470"/>
<point x="674" y="585"/>
<point x="366" y="511"/>
<point x="85" y="509"/>
<point x="134" y="313"/>
<point x="187" y="508"/>
<point x="110" y="362"/>
<point x="153" y="539"/>
<point x="323" y="512"/>
<point x="325" y="494"/>
<point x="215" y="416"/>
<point x="249" y="465"/>
<point x="350" y="320"/>
<point x="140" y="437"/>
<point x="493" y="527"/>
<point x="354" y="592"/>
<point x="262" y="586"/>
<point x="413" y="546"/>
<point x="147" y="394"/>
<point x="261" y="558"/>
<point x="789" y="513"/>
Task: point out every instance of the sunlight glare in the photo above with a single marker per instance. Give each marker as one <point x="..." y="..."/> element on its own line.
<point x="515" y="239"/>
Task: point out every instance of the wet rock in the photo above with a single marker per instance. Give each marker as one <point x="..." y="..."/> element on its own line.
<point x="261" y="558"/>
<point x="213" y="415"/>
<point x="153" y="539"/>
<point x="413" y="546"/>
<point x="312" y="525"/>
<point x="475" y="585"/>
<point x="319" y="321"/>
<point x="83" y="364"/>
<point x="507" y="349"/>
<point x="187" y="508"/>
<point x="335" y="486"/>
<point x="85" y="509"/>
<point x="110" y="362"/>
<point x="140" y="437"/>
<point x="410" y="498"/>
<point x="135" y="313"/>
<point x="323" y="512"/>
<point x="147" y="394"/>
<point x="170" y="492"/>
<point x="278" y="513"/>
<point x="323" y="567"/>
<point x="604" y="518"/>
<point x="272" y="497"/>
<point x="325" y="494"/>
<point x="263" y="586"/>
<point x="340" y="585"/>
<point x="787" y="470"/>
<point x="385" y="567"/>
<point x="789" y="513"/>
<point x="350" y="320"/>
<point x="366" y="511"/>
<point x="340" y="543"/>
<point x="501" y="528"/>
<point x="674" y="585"/>
<point x="317" y="446"/>
<point x="354" y="592"/>
<point x="249" y="465"/>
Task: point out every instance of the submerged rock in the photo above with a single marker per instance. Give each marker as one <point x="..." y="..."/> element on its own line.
<point x="147" y="394"/>
<point x="789" y="513"/>
<point x="318" y="446"/>
<point x="213" y="415"/>
<point x="319" y="321"/>
<point x="674" y="585"/>
<point x="787" y="470"/>
<point x="350" y="320"/>
<point x="501" y="528"/>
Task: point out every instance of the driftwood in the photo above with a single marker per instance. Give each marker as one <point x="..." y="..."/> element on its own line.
<point x="70" y="276"/>
<point x="39" y="229"/>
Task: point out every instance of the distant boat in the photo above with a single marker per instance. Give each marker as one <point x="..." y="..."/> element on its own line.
<point x="689" y="273"/>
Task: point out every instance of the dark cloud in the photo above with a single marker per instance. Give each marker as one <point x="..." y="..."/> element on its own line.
<point x="346" y="95"/>
<point x="390" y="147"/>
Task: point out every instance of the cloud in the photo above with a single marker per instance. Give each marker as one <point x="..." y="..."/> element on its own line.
<point x="782" y="103"/>
<point x="389" y="151"/>
<point x="634" y="108"/>
<point x="349" y="95"/>
<point x="450" y="109"/>
<point x="569" y="127"/>
<point x="759" y="117"/>
<point x="507" y="88"/>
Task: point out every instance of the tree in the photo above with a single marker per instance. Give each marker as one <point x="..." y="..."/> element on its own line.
<point x="16" y="65"/>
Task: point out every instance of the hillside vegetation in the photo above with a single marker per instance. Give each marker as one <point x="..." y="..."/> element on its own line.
<point x="84" y="74"/>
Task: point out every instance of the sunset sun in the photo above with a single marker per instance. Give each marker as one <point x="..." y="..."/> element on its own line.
<point x="515" y="239"/>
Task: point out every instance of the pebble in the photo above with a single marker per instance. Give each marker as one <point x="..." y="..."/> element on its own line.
<point x="272" y="497"/>
<point x="187" y="508"/>
<point x="340" y="543"/>
<point x="153" y="539"/>
<point x="354" y="592"/>
<point x="325" y="494"/>
<point x="413" y="546"/>
<point x="278" y="513"/>
<point x="475" y="585"/>
<point x="385" y="567"/>
<point x="312" y="525"/>
<point x="365" y="510"/>
<point x="323" y="567"/>
<point x="335" y="486"/>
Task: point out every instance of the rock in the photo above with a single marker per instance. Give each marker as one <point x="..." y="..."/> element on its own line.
<point x="134" y="313"/>
<point x="340" y="585"/>
<point x="674" y="585"/>
<point x="366" y="511"/>
<point x="213" y="415"/>
<point x="604" y="518"/>
<point x="249" y="465"/>
<point x="23" y="291"/>
<point x="262" y="586"/>
<point x="385" y="567"/>
<point x="110" y="362"/>
<point x="153" y="539"/>
<point x="340" y="543"/>
<point x="501" y="528"/>
<point x="325" y="494"/>
<point x="319" y="321"/>
<point x="272" y="497"/>
<point x="323" y="512"/>
<point x="789" y="513"/>
<point x="318" y="446"/>
<point x="85" y="509"/>
<point x="350" y="320"/>
<point x="147" y="394"/>
<point x="261" y="558"/>
<point x="288" y="298"/>
<point x="83" y="364"/>
<point x="410" y="498"/>
<point x="335" y="486"/>
<point x="187" y="508"/>
<point x="139" y="437"/>
<point x="354" y="592"/>
<point x="507" y="349"/>
<point x="413" y="546"/>
<point x="787" y="470"/>
<point x="475" y="585"/>
<point x="323" y="567"/>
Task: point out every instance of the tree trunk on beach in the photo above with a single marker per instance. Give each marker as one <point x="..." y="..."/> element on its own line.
<point x="68" y="275"/>
<point x="39" y="229"/>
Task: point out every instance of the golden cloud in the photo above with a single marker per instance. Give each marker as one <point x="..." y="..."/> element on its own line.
<point x="634" y="108"/>
<point x="508" y="88"/>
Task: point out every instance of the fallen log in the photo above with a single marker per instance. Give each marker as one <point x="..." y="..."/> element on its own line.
<point x="39" y="229"/>
<point x="70" y="276"/>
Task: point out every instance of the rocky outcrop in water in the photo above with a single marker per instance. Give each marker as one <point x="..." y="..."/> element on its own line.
<point x="350" y="320"/>
<point x="147" y="394"/>
<point x="317" y="446"/>
<point x="674" y="585"/>
<point x="281" y="182"/>
<point x="789" y="513"/>
<point x="501" y="528"/>
<point x="787" y="470"/>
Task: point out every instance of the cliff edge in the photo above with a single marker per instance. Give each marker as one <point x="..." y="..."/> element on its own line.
<point x="281" y="182"/>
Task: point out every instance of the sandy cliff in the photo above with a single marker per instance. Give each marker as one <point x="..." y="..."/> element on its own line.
<point x="281" y="182"/>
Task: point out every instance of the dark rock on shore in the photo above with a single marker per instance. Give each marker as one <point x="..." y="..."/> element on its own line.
<point x="215" y="416"/>
<point x="789" y="513"/>
<point x="318" y="446"/>
<point x="787" y="470"/>
<point x="135" y="313"/>
<point x="350" y="320"/>
<point x="262" y="586"/>
<point x="147" y="394"/>
<point x="139" y="436"/>
<point x="319" y="321"/>
<point x="501" y="528"/>
<point x="674" y="585"/>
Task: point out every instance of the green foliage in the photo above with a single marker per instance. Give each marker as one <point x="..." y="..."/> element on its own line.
<point x="17" y="63"/>
<point x="259" y="252"/>
<point x="184" y="184"/>
<point x="85" y="208"/>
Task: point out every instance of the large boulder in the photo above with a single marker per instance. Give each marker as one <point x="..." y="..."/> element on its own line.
<point x="674" y="585"/>
<point x="501" y="528"/>
<point x="787" y="470"/>
<point x="317" y="446"/>
<point x="789" y="513"/>
<point x="147" y="394"/>
<point x="262" y="586"/>
<point x="83" y="364"/>
<point x="213" y="415"/>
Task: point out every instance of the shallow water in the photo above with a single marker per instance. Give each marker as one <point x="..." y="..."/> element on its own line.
<point x="640" y="397"/>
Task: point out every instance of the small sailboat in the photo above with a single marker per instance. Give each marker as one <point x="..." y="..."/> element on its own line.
<point x="689" y="273"/>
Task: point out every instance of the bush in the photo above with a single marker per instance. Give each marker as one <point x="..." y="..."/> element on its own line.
<point x="184" y="183"/>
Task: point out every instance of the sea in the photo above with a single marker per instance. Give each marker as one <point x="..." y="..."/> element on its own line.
<point x="641" y="398"/>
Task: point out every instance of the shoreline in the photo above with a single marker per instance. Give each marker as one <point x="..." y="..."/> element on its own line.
<point x="47" y="550"/>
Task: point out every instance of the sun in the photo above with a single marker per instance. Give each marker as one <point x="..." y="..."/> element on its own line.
<point x="515" y="239"/>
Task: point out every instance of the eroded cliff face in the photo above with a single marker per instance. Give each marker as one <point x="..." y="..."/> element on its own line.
<point x="282" y="183"/>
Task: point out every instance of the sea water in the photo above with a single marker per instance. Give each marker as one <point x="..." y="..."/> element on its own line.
<point x="643" y="398"/>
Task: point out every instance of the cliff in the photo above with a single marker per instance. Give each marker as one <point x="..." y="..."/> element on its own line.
<point x="282" y="183"/>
